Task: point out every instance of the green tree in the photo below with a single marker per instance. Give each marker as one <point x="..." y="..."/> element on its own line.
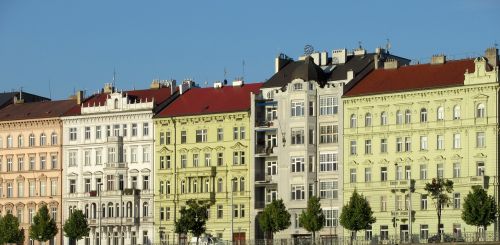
<point x="44" y="227"/>
<point x="76" y="227"/>
<point x="357" y="214"/>
<point x="313" y="219"/>
<point x="439" y="189"/>
<point x="193" y="218"/>
<point x="274" y="218"/>
<point x="10" y="232"/>
<point x="480" y="208"/>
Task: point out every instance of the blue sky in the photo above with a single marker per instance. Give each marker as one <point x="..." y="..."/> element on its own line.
<point x="75" y="45"/>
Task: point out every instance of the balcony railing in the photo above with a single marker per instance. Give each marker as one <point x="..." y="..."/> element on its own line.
<point x="267" y="150"/>
<point x="116" y="165"/>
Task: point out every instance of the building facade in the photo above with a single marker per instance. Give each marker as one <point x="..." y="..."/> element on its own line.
<point x="30" y="161"/>
<point x="411" y="124"/>
<point x="202" y="152"/>
<point x="108" y="157"/>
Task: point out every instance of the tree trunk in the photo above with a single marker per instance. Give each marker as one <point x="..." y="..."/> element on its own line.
<point x="314" y="238"/>
<point x="439" y="222"/>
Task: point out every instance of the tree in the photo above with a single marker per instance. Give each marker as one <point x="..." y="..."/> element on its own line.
<point x="10" y="232"/>
<point x="357" y="214"/>
<point x="313" y="219"/>
<point x="44" y="227"/>
<point x="274" y="218"/>
<point x="76" y="227"/>
<point x="438" y="189"/>
<point x="193" y="218"/>
<point x="479" y="208"/>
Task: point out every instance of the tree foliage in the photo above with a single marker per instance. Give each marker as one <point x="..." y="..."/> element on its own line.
<point x="313" y="219"/>
<point x="439" y="189"/>
<point x="479" y="208"/>
<point x="274" y="218"/>
<point x="357" y="214"/>
<point x="10" y="232"/>
<point x="44" y="227"/>
<point x="193" y="218"/>
<point x="76" y="227"/>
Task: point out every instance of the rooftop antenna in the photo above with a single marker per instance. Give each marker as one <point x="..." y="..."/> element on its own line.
<point x="308" y="50"/>
<point x="225" y="73"/>
<point x="388" y="45"/>
<point x="114" y="77"/>
<point x="21" y="93"/>
<point x="243" y="67"/>
<point x="359" y="44"/>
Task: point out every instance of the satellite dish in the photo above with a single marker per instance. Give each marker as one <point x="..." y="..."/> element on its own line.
<point x="308" y="49"/>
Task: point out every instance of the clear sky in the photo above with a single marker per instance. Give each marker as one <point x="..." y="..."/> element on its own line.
<point x="73" y="45"/>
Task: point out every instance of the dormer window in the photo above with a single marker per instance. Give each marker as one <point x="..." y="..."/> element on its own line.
<point x="297" y="86"/>
<point x="115" y="105"/>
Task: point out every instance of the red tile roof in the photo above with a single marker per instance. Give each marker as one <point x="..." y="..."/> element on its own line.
<point x="159" y="96"/>
<point x="197" y="101"/>
<point x="414" y="77"/>
<point x="36" y="110"/>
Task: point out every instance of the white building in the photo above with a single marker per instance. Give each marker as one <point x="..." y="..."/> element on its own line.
<point x="108" y="146"/>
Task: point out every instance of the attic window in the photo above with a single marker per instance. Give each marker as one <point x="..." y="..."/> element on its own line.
<point x="297" y="86"/>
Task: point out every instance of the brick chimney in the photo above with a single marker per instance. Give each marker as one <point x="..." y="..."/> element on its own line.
<point x="438" y="59"/>
<point x="491" y="54"/>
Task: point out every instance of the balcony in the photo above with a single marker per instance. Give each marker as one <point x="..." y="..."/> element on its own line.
<point x="131" y="192"/>
<point x="201" y="171"/>
<point x="400" y="213"/>
<point x="399" y="184"/>
<point x="115" y="139"/>
<point x="264" y="150"/>
<point x="115" y="165"/>
<point x="115" y="221"/>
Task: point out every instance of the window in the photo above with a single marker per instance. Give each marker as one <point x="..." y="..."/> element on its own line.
<point x="98" y="132"/>
<point x="368" y="120"/>
<point x="43" y="188"/>
<point x="408" y="172"/>
<point x="20" y="189"/>
<point x="328" y="134"/>
<point x="352" y="175"/>
<point x="423" y="201"/>
<point x="53" y="161"/>
<point x="423" y="143"/>
<point x="368" y="174"/>
<point x="297" y="136"/>
<point x="456" y="200"/>
<point x="456" y="170"/>
<point x="399" y="117"/>
<point x="31" y="186"/>
<point x="72" y="158"/>
<point x="456" y="141"/>
<point x="124" y="130"/>
<point x="183" y="137"/>
<point x="242" y="133"/>
<point x="440" y="142"/>
<point x="331" y="217"/>
<point x="31" y="139"/>
<point x="162" y="138"/>
<point x="480" y="140"/>
<point x="272" y="168"/>
<point x="20" y="164"/>
<point x="43" y="162"/>
<point x="72" y="135"/>
<point x="383" y="173"/>
<point x="297" y="164"/>
<point x="456" y="112"/>
<point x="20" y="140"/>
<point x="32" y="163"/>
<point x="407" y="116"/>
<point x="238" y="157"/>
<point x="145" y="129"/>
<point x="407" y="144"/>
<point x="399" y="144"/>
<point x="353" y="147"/>
<point x="353" y="121"/>
<point x="10" y="142"/>
<point x="87" y="133"/>
<point x="383" y="118"/>
<point x="328" y="162"/>
<point x="133" y="154"/>
<point x="220" y="159"/>
<point x="423" y="171"/>
<point x="111" y="154"/>
<point x="219" y="185"/>
<point x="220" y="212"/>
<point x="480" y="111"/>
<point x="10" y="190"/>
<point x="440" y="170"/>
<point x="298" y="192"/>
<point x="116" y="130"/>
<point x="440" y="113"/>
<point x="311" y="108"/>
<point x="297" y="108"/>
<point x="72" y="186"/>
<point x="86" y="183"/>
<point x="480" y="169"/>
<point x="201" y="135"/>
<point x="145" y="182"/>
<point x="384" y="232"/>
<point x="383" y="145"/>
<point x="242" y="184"/>
<point x="167" y="187"/>
<point x="368" y="146"/>
<point x="208" y="157"/>
<point x="195" y="160"/>
<point x="98" y="156"/>
<point x="146" y="154"/>
<point x="220" y="134"/>
<point x="134" y="129"/>
<point x="86" y="157"/>
<point x="10" y="163"/>
<point x="423" y="115"/>
<point x="183" y="161"/>
<point x="297" y="86"/>
<point x="329" y="189"/>
<point x="53" y="139"/>
<point x="328" y="105"/>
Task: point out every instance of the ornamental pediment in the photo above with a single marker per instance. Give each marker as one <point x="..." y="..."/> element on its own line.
<point x="353" y="162"/>
<point x="423" y="159"/>
<point x="164" y="150"/>
<point x="439" y="158"/>
<point x="480" y="97"/>
<point x="408" y="160"/>
<point x="456" y="157"/>
<point x="145" y="170"/>
<point x="367" y="162"/>
<point x="20" y="205"/>
<point x="207" y="149"/>
<point x="196" y="149"/>
<point x="98" y="173"/>
<point x="399" y="160"/>
<point x="480" y="155"/>
<point x="183" y="150"/>
<point x="220" y="148"/>
<point x="238" y="146"/>
<point x="384" y="161"/>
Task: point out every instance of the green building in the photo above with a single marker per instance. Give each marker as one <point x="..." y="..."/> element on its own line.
<point x="419" y="122"/>
<point x="202" y="151"/>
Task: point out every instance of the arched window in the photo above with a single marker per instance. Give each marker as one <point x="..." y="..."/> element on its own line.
<point x="207" y="185"/>
<point x="383" y="118"/>
<point x="399" y="117"/>
<point x="9" y="141"/>
<point x="129" y="209"/>
<point x="94" y="211"/>
<point x="235" y="184"/>
<point x="162" y="186"/>
<point x="183" y="186"/>
<point x="456" y="112"/>
<point x="145" y="209"/>
<point x="53" y="139"/>
<point x="423" y="115"/>
<point x="103" y="210"/>
<point x="480" y="111"/>
<point x="87" y="211"/>
<point x="43" y="139"/>
<point x="115" y="106"/>
<point x="353" y="121"/>
<point x="20" y="141"/>
<point x="110" y="210"/>
<point x="32" y="140"/>
<point x="242" y="184"/>
<point x="219" y="185"/>
<point x="117" y="210"/>
<point x="168" y="187"/>
<point x="195" y="186"/>
<point x="407" y="116"/>
<point x="368" y="119"/>
<point x="440" y="113"/>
